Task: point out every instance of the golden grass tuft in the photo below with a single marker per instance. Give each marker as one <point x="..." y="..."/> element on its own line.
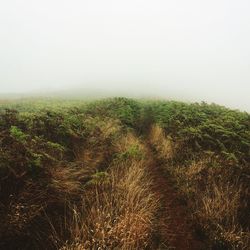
<point x="218" y="213"/>
<point x="117" y="215"/>
<point x="215" y="202"/>
<point x="161" y="142"/>
<point x="126" y="142"/>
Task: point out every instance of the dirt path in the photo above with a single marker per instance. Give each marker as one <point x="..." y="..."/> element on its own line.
<point x="174" y="229"/>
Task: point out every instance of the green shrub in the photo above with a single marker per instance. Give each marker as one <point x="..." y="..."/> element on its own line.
<point x="17" y="134"/>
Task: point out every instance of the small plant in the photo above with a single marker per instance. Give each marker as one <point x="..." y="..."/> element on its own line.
<point x="99" y="178"/>
<point x="133" y="151"/>
<point x="18" y="134"/>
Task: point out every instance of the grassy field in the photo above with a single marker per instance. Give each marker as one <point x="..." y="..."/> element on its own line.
<point x="85" y="175"/>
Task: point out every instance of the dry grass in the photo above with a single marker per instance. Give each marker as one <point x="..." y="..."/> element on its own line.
<point x="214" y="199"/>
<point x="215" y="202"/>
<point x="68" y="180"/>
<point x="161" y="142"/>
<point x="117" y="213"/>
<point x="102" y="133"/>
<point x="126" y="142"/>
<point x="217" y="211"/>
<point x="192" y="178"/>
<point x="221" y="203"/>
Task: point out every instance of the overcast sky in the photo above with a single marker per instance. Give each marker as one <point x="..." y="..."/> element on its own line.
<point x="192" y="50"/>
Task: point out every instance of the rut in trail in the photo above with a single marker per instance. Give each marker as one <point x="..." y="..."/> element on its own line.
<point x="174" y="229"/>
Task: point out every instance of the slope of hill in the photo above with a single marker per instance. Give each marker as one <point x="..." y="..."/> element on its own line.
<point x="123" y="174"/>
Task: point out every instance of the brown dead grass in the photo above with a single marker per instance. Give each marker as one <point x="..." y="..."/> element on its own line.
<point x="162" y="143"/>
<point x="117" y="213"/>
<point x="217" y="210"/>
<point x="215" y="200"/>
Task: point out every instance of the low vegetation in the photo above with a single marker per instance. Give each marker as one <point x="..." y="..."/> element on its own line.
<point x="75" y="175"/>
<point x="216" y="192"/>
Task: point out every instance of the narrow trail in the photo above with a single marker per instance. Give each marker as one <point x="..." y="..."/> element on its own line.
<point x="174" y="228"/>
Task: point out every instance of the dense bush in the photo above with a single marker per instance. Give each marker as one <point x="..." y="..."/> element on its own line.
<point x="126" y="110"/>
<point x="203" y="127"/>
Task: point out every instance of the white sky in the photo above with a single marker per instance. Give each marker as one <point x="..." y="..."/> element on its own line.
<point x="195" y="50"/>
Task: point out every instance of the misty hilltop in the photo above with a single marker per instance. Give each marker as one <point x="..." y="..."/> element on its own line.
<point x="182" y="50"/>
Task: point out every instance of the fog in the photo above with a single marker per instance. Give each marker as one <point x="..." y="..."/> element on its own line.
<point x="185" y="50"/>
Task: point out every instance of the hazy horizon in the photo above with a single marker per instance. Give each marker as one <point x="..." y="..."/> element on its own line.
<point x="187" y="50"/>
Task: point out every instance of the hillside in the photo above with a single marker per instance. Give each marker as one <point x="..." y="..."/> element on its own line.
<point x="122" y="173"/>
